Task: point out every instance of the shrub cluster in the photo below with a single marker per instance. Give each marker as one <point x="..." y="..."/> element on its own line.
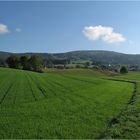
<point x="123" y="70"/>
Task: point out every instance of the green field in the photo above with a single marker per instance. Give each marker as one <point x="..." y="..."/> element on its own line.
<point x="60" y="103"/>
<point x="127" y="123"/>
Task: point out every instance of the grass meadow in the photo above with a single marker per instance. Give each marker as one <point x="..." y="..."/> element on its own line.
<point x="77" y="103"/>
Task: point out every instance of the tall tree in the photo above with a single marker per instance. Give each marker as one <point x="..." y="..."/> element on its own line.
<point x="86" y="64"/>
<point x="24" y="60"/>
<point x="13" y="61"/>
<point x="35" y="63"/>
<point x="123" y="70"/>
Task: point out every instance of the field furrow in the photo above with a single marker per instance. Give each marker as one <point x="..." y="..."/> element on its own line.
<point x="39" y="86"/>
<point x="5" y="94"/>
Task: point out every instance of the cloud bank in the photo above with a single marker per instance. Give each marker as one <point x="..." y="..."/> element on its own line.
<point x="3" y="29"/>
<point x="106" y="34"/>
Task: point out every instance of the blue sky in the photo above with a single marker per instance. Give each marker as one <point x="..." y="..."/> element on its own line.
<point x="68" y="26"/>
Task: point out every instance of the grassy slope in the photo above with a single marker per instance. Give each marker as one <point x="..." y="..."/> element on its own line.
<point x="68" y="104"/>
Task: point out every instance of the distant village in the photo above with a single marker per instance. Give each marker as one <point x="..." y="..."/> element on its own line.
<point x="64" y="64"/>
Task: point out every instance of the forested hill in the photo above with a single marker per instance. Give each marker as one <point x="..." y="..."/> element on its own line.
<point x="105" y="57"/>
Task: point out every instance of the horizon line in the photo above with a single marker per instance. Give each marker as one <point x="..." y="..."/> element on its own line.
<point x="67" y="52"/>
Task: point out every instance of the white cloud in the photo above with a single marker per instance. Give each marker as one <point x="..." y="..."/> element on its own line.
<point x="18" y="30"/>
<point x="105" y="33"/>
<point x="3" y="29"/>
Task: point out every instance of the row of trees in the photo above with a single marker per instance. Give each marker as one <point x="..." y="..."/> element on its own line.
<point x="33" y="63"/>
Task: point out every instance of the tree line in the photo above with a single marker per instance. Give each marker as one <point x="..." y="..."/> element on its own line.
<point x="36" y="63"/>
<point x="32" y="63"/>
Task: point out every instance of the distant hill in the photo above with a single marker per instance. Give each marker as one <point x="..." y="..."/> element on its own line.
<point x="105" y="57"/>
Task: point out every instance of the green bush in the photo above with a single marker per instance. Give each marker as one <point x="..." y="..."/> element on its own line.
<point x="123" y="70"/>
